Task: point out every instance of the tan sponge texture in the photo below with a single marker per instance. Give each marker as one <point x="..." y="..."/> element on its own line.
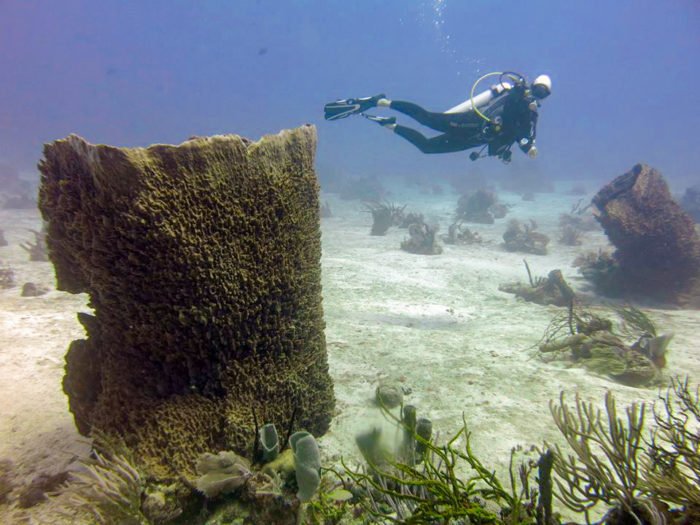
<point x="202" y="264"/>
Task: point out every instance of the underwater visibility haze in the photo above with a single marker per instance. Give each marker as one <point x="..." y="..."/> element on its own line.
<point x="232" y="290"/>
<point x="130" y="74"/>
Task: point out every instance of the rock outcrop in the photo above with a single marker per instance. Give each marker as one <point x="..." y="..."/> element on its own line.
<point x="202" y="262"/>
<point x="657" y="248"/>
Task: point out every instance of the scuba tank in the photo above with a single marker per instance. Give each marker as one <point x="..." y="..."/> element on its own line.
<point x="473" y="103"/>
<point x="481" y="99"/>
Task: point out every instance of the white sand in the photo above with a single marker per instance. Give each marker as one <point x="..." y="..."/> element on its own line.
<point x="436" y="323"/>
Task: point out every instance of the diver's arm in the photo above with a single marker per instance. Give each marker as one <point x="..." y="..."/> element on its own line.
<point x="527" y="143"/>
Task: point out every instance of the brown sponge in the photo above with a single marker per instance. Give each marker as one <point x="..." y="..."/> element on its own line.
<point x="202" y="262"/>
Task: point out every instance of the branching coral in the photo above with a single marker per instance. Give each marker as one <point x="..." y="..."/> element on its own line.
<point x="522" y="237"/>
<point x="7" y="276"/>
<point x="606" y="465"/>
<point x="613" y="464"/>
<point x="672" y="467"/>
<point x="609" y="462"/>
<point x="431" y="490"/>
<point x="384" y="215"/>
<point x="595" y="344"/>
<point x="477" y="207"/>
<point x="457" y="233"/>
<point x="601" y="269"/>
<point x="635" y="321"/>
<point x="37" y="250"/>
<point x="109" y="489"/>
<point x="570" y="236"/>
<point x="422" y="239"/>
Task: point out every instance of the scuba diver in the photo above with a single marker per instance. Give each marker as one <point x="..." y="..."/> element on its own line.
<point x="493" y="120"/>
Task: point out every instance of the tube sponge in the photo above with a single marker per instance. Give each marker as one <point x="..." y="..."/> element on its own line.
<point x="424" y="429"/>
<point x="269" y="441"/>
<point x="307" y="464"/>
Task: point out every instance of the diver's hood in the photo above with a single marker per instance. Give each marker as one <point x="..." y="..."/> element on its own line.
<point x="542" y="86"/>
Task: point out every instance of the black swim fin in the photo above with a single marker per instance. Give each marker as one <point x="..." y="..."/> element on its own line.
<point x="349" y="106"/>
<point x="382" y="121"/>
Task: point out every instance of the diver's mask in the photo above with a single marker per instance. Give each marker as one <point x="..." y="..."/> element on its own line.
<point x="541" y="87"/>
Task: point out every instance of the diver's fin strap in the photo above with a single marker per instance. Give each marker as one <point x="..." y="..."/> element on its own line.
<point x="384" y="121"/>
<point x="341" y="109"/>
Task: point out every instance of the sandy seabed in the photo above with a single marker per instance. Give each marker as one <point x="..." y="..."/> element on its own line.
<point x="437" y="325"/>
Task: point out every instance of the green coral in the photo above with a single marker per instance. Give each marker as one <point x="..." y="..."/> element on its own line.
<point x="282" y="465"/>
<point x="430" y="490"/>
<point x="635" y="321"/>
<point x="672" y="466"/>
<point x="594" y="343"/>
<point x="606" y="464"/>
<point x="269" y="442"/>
<point x="614" y="465"/>
<point x="332" y="506"/>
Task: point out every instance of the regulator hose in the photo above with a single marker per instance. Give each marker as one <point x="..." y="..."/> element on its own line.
<point x="516" y="77"/>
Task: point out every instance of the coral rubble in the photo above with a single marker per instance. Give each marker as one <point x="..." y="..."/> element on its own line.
<point x="384" y="216"/>
<point x="522" y="237"/>
<point x="7" y="276"/>
<point x="422" y="239"/>
<point x="457" y="233"/>
<point x="482" y="206"/>
<point x="550" y="290"/>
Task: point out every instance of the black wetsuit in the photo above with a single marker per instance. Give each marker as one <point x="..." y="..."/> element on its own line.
<point x="465" y="130"/>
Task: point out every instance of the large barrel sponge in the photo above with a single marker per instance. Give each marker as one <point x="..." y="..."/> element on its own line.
<point x="657" y="247"/>
<point x="202" y="263"/>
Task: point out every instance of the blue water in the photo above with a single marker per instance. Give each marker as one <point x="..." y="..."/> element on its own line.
<point x="131" y="73"/>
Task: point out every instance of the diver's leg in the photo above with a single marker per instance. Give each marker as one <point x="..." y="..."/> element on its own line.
<point x="444" y="122"/>
<point x="444" y="143"/>
<point x="436" y="121"/>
